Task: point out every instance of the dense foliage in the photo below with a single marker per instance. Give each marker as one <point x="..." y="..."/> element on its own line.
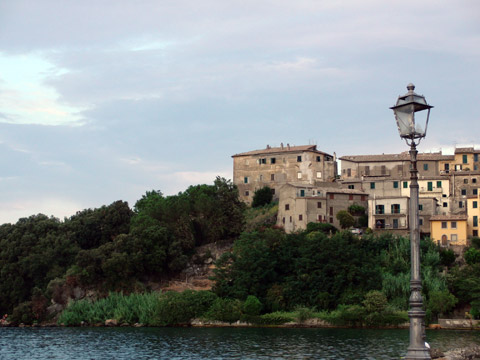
<point x="262" y="197"/>
<point x="111" y="247"/>
<point x="318" y="271"/>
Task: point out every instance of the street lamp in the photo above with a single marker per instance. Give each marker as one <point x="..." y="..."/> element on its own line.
<point x="412" y="122"/>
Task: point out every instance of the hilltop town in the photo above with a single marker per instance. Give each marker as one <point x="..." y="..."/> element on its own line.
<point x="305" y="182"/>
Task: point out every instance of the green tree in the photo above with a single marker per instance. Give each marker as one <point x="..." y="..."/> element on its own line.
<point x="262" y="197"/>
<point x="346" y="219"/>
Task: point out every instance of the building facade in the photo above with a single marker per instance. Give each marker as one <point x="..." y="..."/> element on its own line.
<point x="277" y="166"/>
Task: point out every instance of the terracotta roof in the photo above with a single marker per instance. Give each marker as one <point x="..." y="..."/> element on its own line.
<point x="283" y="149"/>
<point x="470" y="150"/>
<point x="448" y="217"/>
<point x="404" y="156"/>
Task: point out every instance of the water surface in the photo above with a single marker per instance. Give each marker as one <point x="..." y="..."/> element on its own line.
<point x="216" y="343"/>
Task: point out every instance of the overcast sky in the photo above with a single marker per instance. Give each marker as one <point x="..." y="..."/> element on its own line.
<point x="102" y="100"/>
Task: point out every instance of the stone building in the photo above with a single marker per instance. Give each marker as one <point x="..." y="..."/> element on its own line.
<point x="277" y="166"/>
<point x="300" y="204"/>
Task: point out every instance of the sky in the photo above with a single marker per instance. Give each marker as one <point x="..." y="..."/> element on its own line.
<point x="103" y="100"/>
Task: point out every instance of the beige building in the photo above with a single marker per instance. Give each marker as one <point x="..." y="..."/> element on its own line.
<point x="300" y="204"/>
<point x="277" y="166"/>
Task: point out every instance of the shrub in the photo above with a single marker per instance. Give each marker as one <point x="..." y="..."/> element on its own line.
<point x="375" y="301"/>
<point x="472" y="256"/>
<point x="441" y="302"/>
<point x="262" y="197"/>
<point x="22" y="313"/>
<point x="346" y="219"/>
<point x="179" y="308"/>
<point x="475" y="242"/>
<point x="303" y="314"/>
<point x="227" y="310"/>
<point x="276" y="318"/>
<point x="252" y="306"/>
<point x="326" y="228"/>
<point x="447" y="257"/>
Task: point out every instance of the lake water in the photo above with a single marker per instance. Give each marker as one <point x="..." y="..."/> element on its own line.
<point x="216" y="343"/>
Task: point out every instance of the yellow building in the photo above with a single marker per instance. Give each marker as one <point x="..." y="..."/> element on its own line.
<point x="473" y="212"/>
<point x="449" y="229"/>
<point x="466" y="159"/>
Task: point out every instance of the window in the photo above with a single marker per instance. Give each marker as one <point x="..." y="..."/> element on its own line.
<point x="475" y="221"/>
<point x="425" y="167"/>
<point x="331" y="210"/>
<point x="464" y="159"/>
<point x="405" y="184"/>
<point x="444" y="224"/>
<point x="319" y="174"/>
<point x="287" y="207"/>
<point x="465" y="181"/>
<point x="299" y="158"/>
<point x="460" y="204"/>
<point x="445" y="204"/>
<point x="453" y="224"/>
<point x="367" y="170"/>
<point x="474" y="181"/>
<point x="380" y="209"/>
<point x="319" y="205"/>
<point x="283" y="220"/>
<point x="245" y="179"/>
<point x="439" y="184"/>
<point x="475" y="204"/>
<point x="464" y="191"/>
<point x="349" y="172"/>
<point x="475" y="232"/>
<point x="272" y="177"/>
<point x="247" y="193"/>
<point x="299" y="175"/>
<point x="475" y="191"/>
<point x="351" y="186"/>
<point x="273" y="191"/>
<point x="300" y="217"/>
<point x="395" y="208"/>
<point x="430" y="186"/>
<point x="420" y="207"/>
<point x="372" y="185"/>
<point x="420" y="221"/>
<point x="447" y="167"/>
<point x="363" y="197"/>
<point x="331" y="220"/>
<point x="350" y="197"/>
<point x="273" y="160"/>
<point x="332" y="196"/>
<point x="453" y="238"/>
<point x="395" y="223"/>
<point x="262" y="161"/>
<point x="290" y="219"/>
<point x="395" y="184"/>
<point x="302" y="193"/>
<point x="319" y="159"/>
<point x="475" y="157"/>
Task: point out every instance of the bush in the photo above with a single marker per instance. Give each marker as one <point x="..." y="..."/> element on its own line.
<point x="375" y="301"/>
<point x="326" y="228"/>
<point x="22" y="314"/>
<point x="447" y="257"/>
<point x="346" y="219"/>
<point x="475" y="241"/>
<point x="179" y="308"/>
<point x="226" y="310"/>
<point x="303" y="314"/>
<point x="441" y="302"/>
<point x="262" y="197"/>
<point x="276" y="318"/>
<point x="472" y="256"/>
<point x="252" y="306"/>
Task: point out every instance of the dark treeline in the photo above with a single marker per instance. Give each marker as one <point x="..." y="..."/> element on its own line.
<point x="116" y="248"/>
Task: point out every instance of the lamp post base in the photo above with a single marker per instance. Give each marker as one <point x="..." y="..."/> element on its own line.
<point x="418" y="353"/>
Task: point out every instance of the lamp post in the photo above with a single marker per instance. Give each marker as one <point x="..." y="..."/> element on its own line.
<point x="412" y="122"/>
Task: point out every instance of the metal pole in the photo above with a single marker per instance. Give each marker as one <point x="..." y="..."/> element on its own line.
<point x="417" y="348"/>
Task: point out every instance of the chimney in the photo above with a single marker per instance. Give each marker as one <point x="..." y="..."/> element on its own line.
<point x="281" y="145"/>
<point x="288" y="146"/>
